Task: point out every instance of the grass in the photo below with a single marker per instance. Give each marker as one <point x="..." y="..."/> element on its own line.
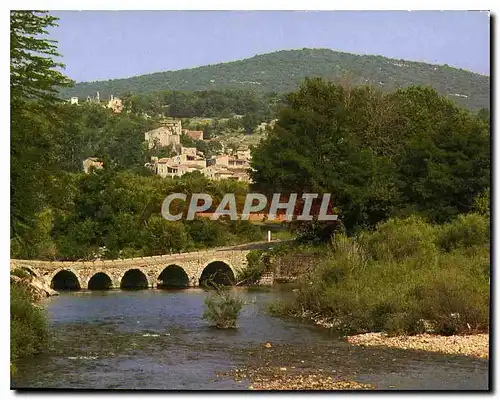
<point x="402" y="277"/>
<point x="28" y="325"/>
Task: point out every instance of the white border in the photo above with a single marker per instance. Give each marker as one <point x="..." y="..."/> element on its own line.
<point x="188" y="5"/>
<point x="254" y="5"/>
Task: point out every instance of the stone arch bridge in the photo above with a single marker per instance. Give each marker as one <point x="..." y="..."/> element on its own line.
<point x="175" y="270"/>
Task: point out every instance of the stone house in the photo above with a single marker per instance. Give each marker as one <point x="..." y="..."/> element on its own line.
<point x="234" y="162"/>
<point x="218" y="172"/>
<point x="190" y="152"/>
<point x="115" y="104"/>
<point x="166" y="167"/>
<point x="196" y="135"/>
<point x="168" y="134"/>
<point x="244" y="154"/>
<point x="222" y="159"/>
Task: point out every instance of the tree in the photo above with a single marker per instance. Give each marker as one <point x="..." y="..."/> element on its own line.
<point x="33" y="89"/>
<point x="32" y="69"/>
<point x="249" y="122"/>
<point x="445" y="161"/>
<point x="377" y="154"/>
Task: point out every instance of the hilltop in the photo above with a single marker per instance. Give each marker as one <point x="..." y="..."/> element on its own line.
<point x="283" y="71"/>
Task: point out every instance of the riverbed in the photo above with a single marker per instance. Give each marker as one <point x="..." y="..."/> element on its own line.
<point x="156" y="339"/>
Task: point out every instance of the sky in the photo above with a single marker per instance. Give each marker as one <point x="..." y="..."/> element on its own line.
<point x="100" y="45"/>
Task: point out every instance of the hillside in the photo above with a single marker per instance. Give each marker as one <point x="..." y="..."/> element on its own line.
<point x="282" y="71"/>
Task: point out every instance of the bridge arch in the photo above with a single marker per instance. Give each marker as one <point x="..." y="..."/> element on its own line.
<point x="134" y="278"/>
<point x="218" y="271"/>
<point x="65" y="279"/>
<point x="173" y="276"/>
<point x="100" y="281"/>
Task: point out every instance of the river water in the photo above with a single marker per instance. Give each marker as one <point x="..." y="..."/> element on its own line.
<point x="155" y="339"/>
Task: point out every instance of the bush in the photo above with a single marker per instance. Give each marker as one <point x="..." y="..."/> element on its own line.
<point x="482" y="203"/>
<point x="396" y="280"/>
<point x="222" y="307"/>
<point x="465" y="231"/>
<point x="21" y="273"/>
<point x="28" y="324"/>
<point x="398" y="239"/>
<point x="256" y="267"/>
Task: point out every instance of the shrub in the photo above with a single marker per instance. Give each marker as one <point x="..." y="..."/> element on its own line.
<point x="482" y="203"/>
<point x="465" y="231"/>
<point x="28" y="324"/>
<point x="245" y="230"/>
<point x="403" y="284"/>
<point x="398" y="239"/>
<point x="397" y="324"/>
<point x="21" y="273"/>
<point x="256" y="267"/>
<point x="222" y="307"/>
<point x="281" y="308"/>
<point x="455" y="297"/>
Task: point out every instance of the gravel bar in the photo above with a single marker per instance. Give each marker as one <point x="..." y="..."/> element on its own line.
<point x="468" y="345"/>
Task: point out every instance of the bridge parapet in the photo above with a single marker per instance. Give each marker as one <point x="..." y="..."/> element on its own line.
<point x="193" y="263"/>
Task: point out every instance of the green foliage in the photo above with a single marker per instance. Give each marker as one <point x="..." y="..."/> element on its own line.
<point x="33" y="74"/>
<point x="113" y="214"/>
<point x="455" y="298"/>
<point x="250" y="122"/>
<point x="283" y="71"/>
<point x="222" y="307"/>
<point x="381" y="155"/>
<point x="400" y="281"/>
<point x="33" y="89"/>
<point x="28" y="325"/>
<point x="163" y="237"/>
<point x="204" y="103"/>
<point x="398" y="239"/>
<point x="465" y="231"/>
<point x="482" y="203"/>
<point x="209" y="149"/>
<point x="255" y="268"/>
<point x="20" y="273"/>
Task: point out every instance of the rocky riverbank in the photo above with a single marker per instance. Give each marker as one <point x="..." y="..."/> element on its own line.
<point x="338" y="365"/>
<point x="307" y="382"/>
<point x="299" y="367"/>
<point x="37" y="288"/>
<point x="476" y="345"/>
<point x="468" y="345"/>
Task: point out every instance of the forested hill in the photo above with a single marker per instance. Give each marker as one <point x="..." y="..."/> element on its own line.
<point x="282" y="71"/>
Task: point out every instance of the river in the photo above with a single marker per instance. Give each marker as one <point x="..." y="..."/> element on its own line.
<point x="155" y="339"/>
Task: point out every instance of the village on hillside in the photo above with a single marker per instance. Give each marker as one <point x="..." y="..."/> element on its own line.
<point x="230" y="163"/>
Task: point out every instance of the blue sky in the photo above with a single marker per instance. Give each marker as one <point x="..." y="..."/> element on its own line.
<point x="99" y="45"/>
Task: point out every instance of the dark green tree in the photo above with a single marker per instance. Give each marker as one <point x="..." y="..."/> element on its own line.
<point x="378" y="155"/>
<point x="33" y="88"/>
<point x="250" y="122"/>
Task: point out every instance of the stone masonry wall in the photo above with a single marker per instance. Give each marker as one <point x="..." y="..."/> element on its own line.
<point x="192" y="263"/>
